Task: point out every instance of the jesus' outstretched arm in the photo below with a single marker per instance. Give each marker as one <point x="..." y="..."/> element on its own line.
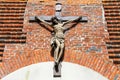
<point x="43" y="21"/>
<point x="70" y="21"/>
<point x="75" y="21"/>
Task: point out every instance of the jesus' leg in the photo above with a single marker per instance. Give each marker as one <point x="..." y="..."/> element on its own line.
<point x="61" y="52"/>
<point x="56" y="52"/>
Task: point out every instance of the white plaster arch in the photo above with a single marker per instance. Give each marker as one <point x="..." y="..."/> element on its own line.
<point x="44" y="71"/>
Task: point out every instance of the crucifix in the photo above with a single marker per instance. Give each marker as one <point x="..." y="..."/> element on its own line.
<point x="58" y="23"/>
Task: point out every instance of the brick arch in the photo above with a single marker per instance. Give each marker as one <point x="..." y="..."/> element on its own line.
<point x="93" y="62"/>
<point x="32" y="56"/>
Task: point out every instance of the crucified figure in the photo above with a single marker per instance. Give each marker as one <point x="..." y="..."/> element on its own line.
<point x="57" y="40"/>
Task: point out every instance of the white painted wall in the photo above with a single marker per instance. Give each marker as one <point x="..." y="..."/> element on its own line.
<point x="44" y="71"/>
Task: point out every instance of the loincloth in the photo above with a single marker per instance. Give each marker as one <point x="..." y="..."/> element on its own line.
<point x="61" y="40"/>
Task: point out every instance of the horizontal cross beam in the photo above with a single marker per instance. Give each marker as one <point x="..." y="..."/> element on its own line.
<point x="63" y="19"/>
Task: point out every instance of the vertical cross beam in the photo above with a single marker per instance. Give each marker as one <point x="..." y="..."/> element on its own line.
<point x="58" y="9"/>
<point x="57" y="67"/>
<point x="57" y="70"/>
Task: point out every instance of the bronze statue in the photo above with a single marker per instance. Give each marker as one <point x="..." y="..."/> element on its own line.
<point x="57" y="40"/>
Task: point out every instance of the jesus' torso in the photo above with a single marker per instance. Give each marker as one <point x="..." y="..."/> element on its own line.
<point x="59" y="30"/>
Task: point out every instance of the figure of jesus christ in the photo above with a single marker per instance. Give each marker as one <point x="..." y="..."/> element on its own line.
<point x="57" y="40"/>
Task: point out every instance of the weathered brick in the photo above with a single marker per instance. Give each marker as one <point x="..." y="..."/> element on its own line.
<point x="84" y="44"/>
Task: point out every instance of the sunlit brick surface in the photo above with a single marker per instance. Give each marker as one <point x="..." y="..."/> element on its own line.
<point x="85" y="44"/>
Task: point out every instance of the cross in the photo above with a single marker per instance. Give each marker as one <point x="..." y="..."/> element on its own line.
<point x="58" y="22"/>
<point x="58" y="15"/>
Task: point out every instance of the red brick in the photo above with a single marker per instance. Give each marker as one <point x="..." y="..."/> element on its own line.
<point x="37" y="47"/>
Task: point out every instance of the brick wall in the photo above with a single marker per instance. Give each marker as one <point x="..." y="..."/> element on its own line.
<point x="85" y="44"/>
<point x="113" y="24"/>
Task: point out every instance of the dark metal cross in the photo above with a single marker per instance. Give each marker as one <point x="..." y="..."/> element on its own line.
<point x="58" y="8"/>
